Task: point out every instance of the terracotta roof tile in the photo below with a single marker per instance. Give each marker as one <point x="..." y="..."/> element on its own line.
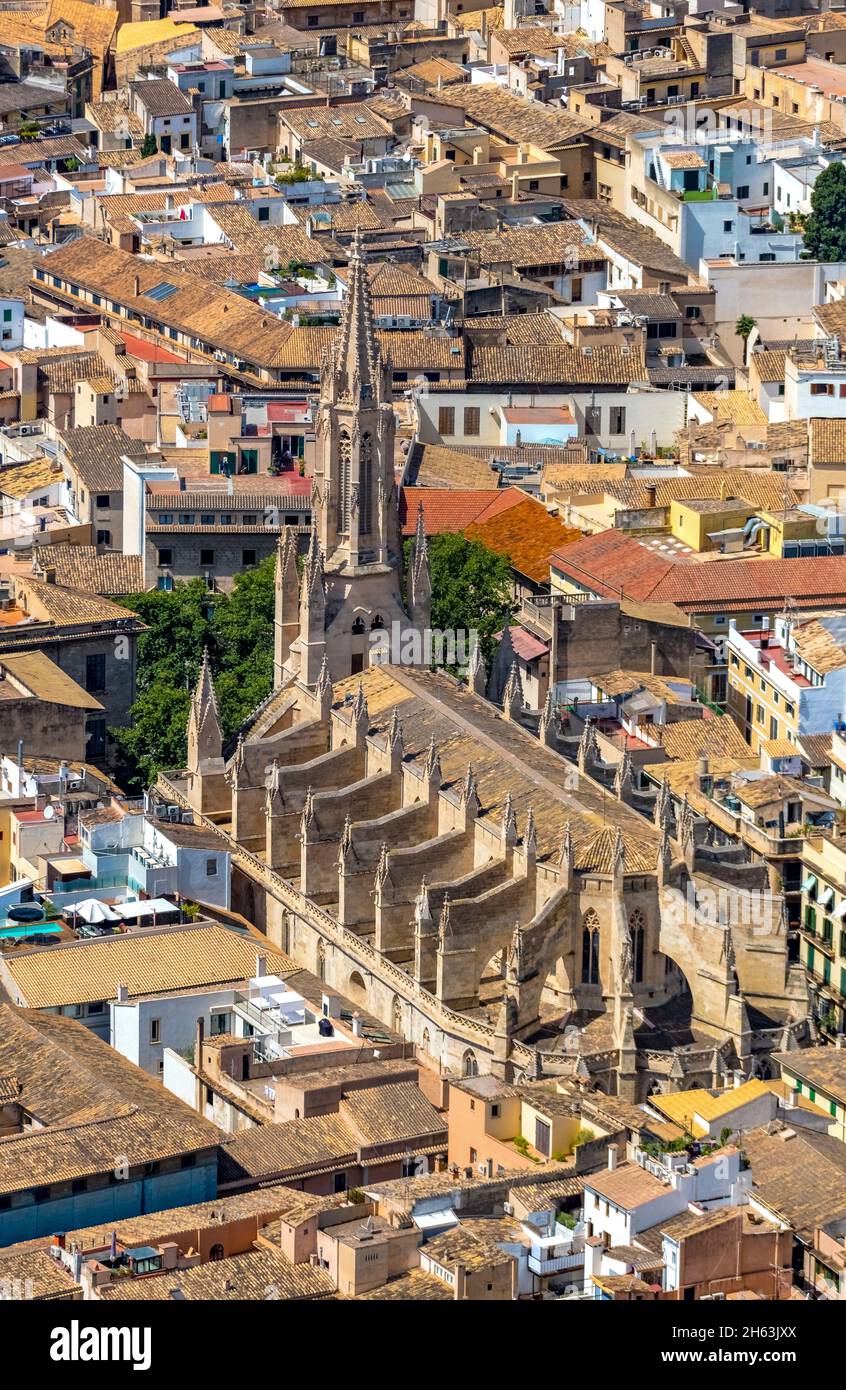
<point x="527" y="534"/>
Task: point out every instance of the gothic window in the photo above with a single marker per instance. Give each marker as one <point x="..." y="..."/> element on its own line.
<point x="590" y="948"/>
<point x="321" y="960"/>
<point x="378" y="623"/>
<point x="637" y="927"/>
<point x="344" y="481"/>
<point x="425" y="1040"/>
<point x="366" y="478"/>
<point x="469" y="1065"/>
<point x="357" y="627"/>
<point x="216" y="1253"/>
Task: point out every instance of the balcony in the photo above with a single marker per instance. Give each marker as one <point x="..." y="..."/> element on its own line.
<point x="544" y="1265"/>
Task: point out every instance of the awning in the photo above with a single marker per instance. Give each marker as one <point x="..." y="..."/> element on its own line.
<point x="92" y="910"/>
<point x="826" y="897"/>
<point x="840" y="912"/>
<point x="147" y="907"/>
<point x="809" y="883"/>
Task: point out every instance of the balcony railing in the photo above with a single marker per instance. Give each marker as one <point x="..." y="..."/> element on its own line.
<point x="556" y="1264"/>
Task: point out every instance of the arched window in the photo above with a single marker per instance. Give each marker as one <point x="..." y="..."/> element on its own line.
<point x="469" y="1065"/>
<point x="357" y="627"/>
<point x="378" y="623"/>
<point x="396" y="1015"/>
<point x="344" y="482"/>
<point x="637" y="927"/>
<point x="321" y="960"/>
<point x="216" y="1252"/>
<point x="365" y="470"/>
<point x="590" y="948"/>
<point x="424" y="1043"/>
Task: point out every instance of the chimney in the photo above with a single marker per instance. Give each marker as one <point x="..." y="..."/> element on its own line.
<point x="261" y="965"/>
<point x="653" y="658"/>
<point x="515" y="188"/>
<point x="122" y="993"/>
<point x="198" y="1042"/>
<point x="59" y="1239"/>
<point x="136" y="286"/>
<point x="612" y="1158"/>
<point x="651" y="495"/>
<point x="477" y="154"/>
<point x="357" y="1025"/>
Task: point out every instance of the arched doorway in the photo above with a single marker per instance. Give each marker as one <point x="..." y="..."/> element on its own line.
<point x="357" y="989"/>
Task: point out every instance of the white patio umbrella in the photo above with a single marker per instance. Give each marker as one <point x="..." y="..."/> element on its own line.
<point x="92" y="910"/>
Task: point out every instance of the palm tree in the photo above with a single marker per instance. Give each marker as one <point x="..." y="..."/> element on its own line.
<point x="744" y="326"/>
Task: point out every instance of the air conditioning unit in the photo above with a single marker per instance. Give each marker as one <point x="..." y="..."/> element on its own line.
<point x="174" y="813"/>
<point x="508" y="1209"/>
<point x="482" y="1168"/>
<point x="187" y="817"/>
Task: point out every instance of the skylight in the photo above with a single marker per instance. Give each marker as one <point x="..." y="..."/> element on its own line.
<point x="162" y="291"/>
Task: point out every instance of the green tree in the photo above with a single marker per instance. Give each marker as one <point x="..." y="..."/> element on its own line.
<point x="825" y="229"/>
<point x="149" y="146"/>
<point x="236" y="628"/>
<point x="471" y="588"/>
<point x="744" y="327"/>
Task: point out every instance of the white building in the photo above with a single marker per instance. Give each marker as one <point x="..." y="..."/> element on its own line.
<point x="165" y="856"/>
<point x="624" y="1200"/>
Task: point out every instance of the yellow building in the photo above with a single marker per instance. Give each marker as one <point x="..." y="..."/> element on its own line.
<point x="700" y="522"/>
<point x="823" y="930"/>
<point x="732" y="523"/>
<point x="763" y="688"/>
<point x="819" y="1076"/>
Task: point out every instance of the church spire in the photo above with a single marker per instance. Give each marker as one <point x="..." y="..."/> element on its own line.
<point x="420" y="579"/>
<point x="286" y="611"/>
<point x="205" y="736"/>
<point x="355" y="361"/>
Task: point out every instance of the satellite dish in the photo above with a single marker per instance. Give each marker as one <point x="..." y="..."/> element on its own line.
<point x="49" y="812"/>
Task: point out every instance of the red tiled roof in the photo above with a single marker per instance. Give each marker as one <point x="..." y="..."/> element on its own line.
<point x="528" y="534"/>
<point x="526" y="645"/>
<point x="611" y="563"/>
<point x="453" y="509"/>
<point x="744" y="584"/>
